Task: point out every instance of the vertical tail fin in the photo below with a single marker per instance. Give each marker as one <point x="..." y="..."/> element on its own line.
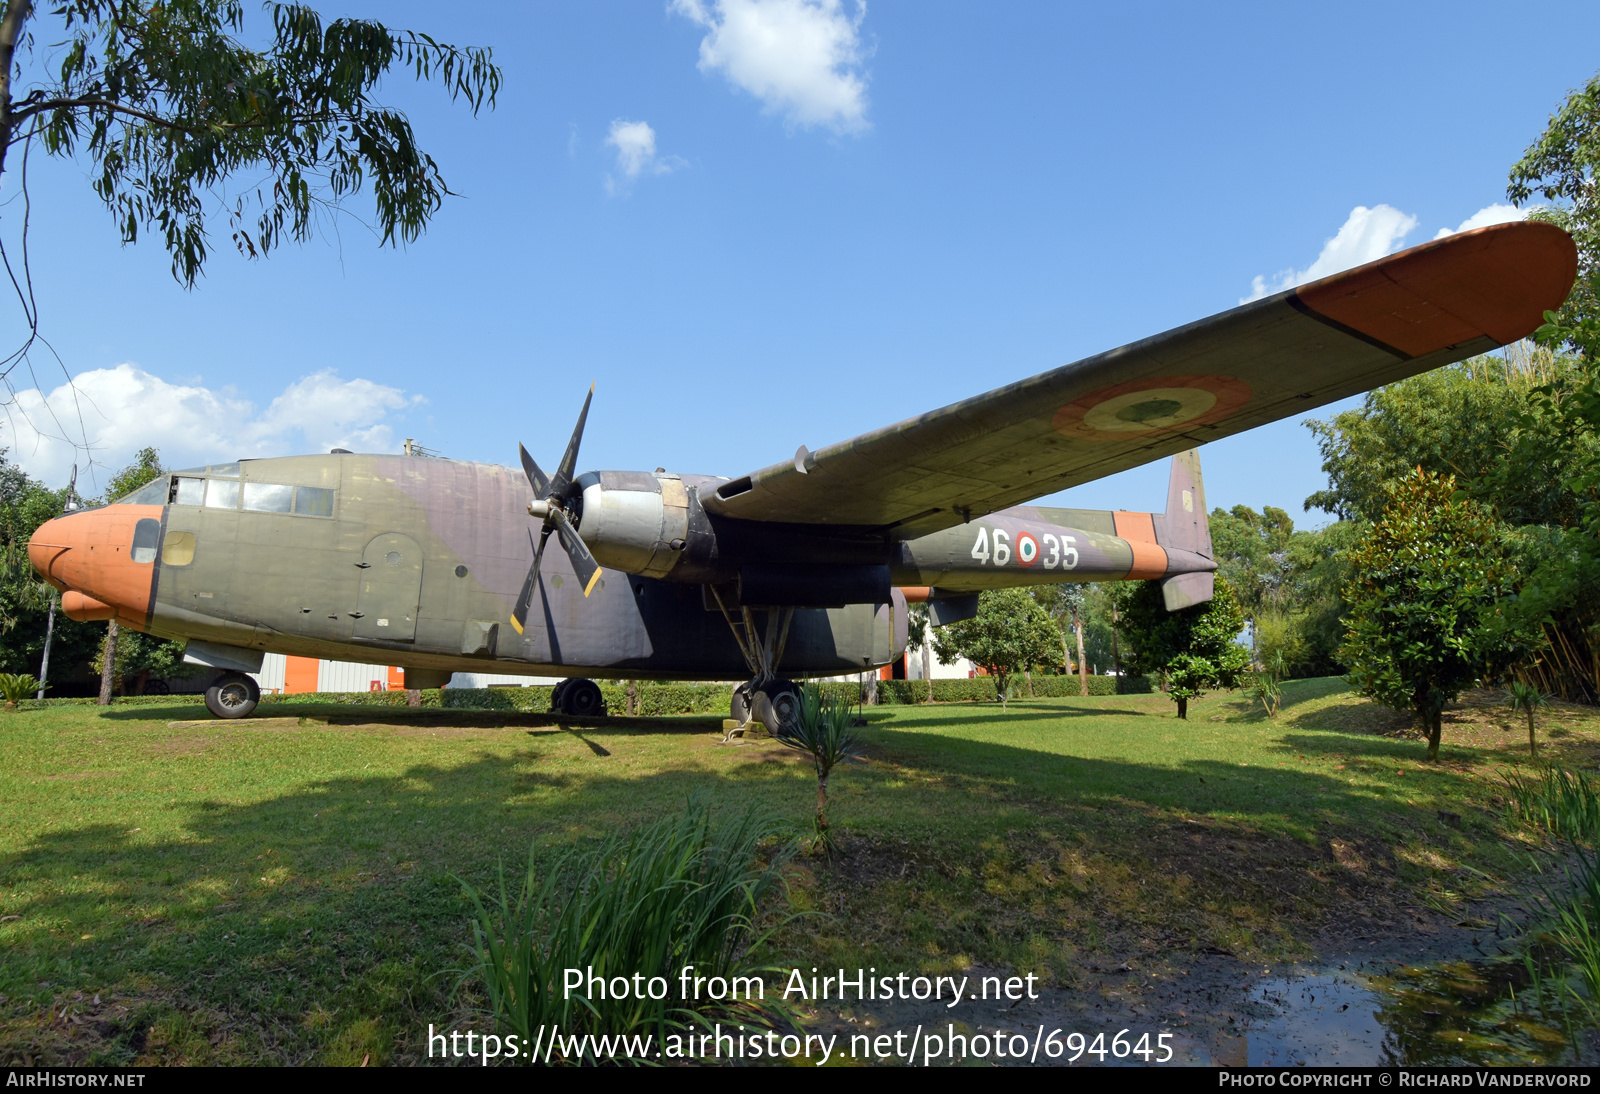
<point x="1187" y="529"/>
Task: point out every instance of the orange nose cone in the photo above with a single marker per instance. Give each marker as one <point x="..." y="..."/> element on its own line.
<point x="46" y="547"/>
<point x="102" y="559"/>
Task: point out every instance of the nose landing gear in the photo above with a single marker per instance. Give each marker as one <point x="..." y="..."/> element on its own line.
<point x="232" y="695"/>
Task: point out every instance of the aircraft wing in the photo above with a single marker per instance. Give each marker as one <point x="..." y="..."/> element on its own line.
<point x="1271" y="358"/>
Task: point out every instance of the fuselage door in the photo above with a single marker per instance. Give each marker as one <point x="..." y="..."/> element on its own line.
<point x="391" y="589"/>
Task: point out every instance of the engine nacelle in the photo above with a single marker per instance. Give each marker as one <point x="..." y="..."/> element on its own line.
<point x="636" y="522"/>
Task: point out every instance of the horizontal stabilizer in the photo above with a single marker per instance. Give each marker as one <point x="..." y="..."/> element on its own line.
<point x="1187" y="590"/>
<point x="951" y="609"/>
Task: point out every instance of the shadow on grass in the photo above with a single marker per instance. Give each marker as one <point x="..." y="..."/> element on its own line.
<point x="321" y="924"/>
<point x="333" y="714"/>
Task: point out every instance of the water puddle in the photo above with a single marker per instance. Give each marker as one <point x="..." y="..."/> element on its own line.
<point x="1461" y="1013"/>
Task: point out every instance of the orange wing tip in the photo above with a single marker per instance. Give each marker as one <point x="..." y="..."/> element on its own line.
<point x="589" y="588"/>
<point x="515" y="624"/>
<point x="1494" y="282"/>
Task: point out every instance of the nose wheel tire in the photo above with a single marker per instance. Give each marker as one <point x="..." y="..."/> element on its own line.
<point x="232" y="695"/>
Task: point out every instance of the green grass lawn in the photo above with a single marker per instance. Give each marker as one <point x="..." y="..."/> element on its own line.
<point x="283" y="888"/>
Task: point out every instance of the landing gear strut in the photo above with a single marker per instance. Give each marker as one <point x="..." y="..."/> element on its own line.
<point x="232" y="695"/>
<point x="766" y="697"/>
<point x="578" y="697"/>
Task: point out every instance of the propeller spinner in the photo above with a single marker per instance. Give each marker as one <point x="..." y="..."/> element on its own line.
<point x="549" y="504"/>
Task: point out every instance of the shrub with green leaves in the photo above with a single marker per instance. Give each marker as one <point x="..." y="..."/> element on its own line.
<point x="17" y="686"/>
<point x="1425" y="601"/>
<point x="822" y="730"/>
<point x="1195" y="647"/>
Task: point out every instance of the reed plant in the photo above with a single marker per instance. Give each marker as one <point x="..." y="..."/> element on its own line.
<point x="1564" y="803"/>
<point x="687" y="890"/>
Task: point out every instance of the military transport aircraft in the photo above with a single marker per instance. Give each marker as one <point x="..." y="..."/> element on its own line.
<point x="803" y="567"/>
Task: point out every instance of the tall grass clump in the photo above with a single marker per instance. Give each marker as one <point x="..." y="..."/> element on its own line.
<point x="1566" y="804"/>
<point x="685" y="890"/>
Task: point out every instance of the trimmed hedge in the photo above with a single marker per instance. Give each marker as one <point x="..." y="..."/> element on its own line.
<point x="978" y="689"/>
<point x="655" y="698"/>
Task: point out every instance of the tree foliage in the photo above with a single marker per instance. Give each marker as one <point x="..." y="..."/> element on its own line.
<point x="1288" y="583"/>
<point x="1195" y="648"/>
<point x="1426" y="617"/>
<point x="1560" y="168"/>
<point x="170" y="105"/>
<point x="1011" y="632"/>
<point x="1463" y="420"/>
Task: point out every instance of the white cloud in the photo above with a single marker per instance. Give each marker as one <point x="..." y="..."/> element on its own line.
<point x="801" y="58"/>
<point x="1367" y="235"/>
<point x="1489" y="214"/>
<point x="125" y="408"/>
<point x="635" y="143"/>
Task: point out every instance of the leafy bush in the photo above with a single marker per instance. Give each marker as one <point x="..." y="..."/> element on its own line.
<point x="822" y="730"/>
<point x="17" y="686"/>
<point x="684" y="891"/>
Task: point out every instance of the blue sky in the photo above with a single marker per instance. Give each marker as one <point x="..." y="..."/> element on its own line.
<point x="761" y="223"/>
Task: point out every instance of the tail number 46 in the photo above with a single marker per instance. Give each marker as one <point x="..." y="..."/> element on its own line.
<point x="1058" y="552"/>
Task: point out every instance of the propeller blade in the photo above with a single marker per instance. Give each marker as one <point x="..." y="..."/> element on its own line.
<point x="583" y="563"/>
<point x="536" y="478"/>
<point x="569" y="459"/>
<point x="519" y="614"/>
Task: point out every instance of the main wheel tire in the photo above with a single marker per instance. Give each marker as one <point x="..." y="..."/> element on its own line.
<point x="739" y="707"/>
<point x="232" y="695"/>
<point x="558" y="697"/>
<point x="777" y="704"/>
<point x="582" y="699"/>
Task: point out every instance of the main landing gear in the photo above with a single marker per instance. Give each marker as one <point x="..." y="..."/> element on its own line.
<point x="580" y="698"/>
<point x="232" y="695"/>
<point x="766" y="697"/>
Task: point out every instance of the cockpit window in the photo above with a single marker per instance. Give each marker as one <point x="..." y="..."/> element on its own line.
<point x="146" y="536"/>
<point x="190" y="491"/>
<point x="267" y="497"/>
<point x="313" y="501"/>
<point x="229" y="470"/>
<point x="153" y="493"/>
<point x="222" y="494"/>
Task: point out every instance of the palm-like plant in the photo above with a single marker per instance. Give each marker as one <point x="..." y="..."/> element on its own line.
<point x="16" y="686"/>
<point x="821" y="729"/>
<point x="1526" y="698"/>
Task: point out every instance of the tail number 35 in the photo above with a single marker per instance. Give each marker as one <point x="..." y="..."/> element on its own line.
<point x="1058" y="551"/>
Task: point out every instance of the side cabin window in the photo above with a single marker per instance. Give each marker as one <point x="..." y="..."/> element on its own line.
<point x="146" y="537"/>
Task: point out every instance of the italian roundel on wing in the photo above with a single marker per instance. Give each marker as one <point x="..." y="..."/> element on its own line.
<point x="1151" y="407"/>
